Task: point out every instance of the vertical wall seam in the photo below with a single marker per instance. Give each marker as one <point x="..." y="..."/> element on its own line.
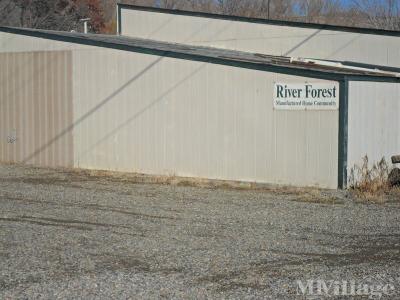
<point x="71" y="93"/>
<point x="343" y="133"/>
<point x="118" y="19"/>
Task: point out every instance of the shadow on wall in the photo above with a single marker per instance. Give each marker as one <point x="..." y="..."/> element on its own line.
<point x="107" y="100"/>
<point x="302" y="43"/>
<point x="91" y="111"/>
<point x="343" y="47"/>
<point x="142" y="111"/>
<point x="129" y="82"/>
<point x="114" y="94"/>
<point x="150" y="35"/>
<point x="330" y="56"/>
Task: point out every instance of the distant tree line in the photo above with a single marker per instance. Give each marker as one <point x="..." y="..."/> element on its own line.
<point x="66" y="14"/>
<point x="52" y="14"/>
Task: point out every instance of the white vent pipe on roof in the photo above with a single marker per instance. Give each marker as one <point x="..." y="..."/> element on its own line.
<point x="85" y="24"/>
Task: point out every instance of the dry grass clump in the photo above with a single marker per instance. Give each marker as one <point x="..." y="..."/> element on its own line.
<point x="371" y="182"/>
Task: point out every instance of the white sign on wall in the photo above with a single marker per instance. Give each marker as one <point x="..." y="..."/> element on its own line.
<point x="306" y="96"/>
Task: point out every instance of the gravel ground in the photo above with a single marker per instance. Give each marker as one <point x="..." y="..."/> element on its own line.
<point x="68" y="235"/>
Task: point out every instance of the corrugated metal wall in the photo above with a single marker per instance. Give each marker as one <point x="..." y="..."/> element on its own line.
<point x="143" y="113"/>
<point x="262" y="38"/>
<point x="36" y="108"/>
<point x="374" y="121"/>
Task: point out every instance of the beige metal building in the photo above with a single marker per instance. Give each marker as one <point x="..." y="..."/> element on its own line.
<point x="360" y="45"/>
<point x="134" y="105"/>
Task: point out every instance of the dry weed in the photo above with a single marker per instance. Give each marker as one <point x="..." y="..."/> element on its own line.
<point x="371" y="182"/>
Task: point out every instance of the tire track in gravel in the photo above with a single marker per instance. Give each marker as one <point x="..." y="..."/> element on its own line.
<point x="72" y="224"/>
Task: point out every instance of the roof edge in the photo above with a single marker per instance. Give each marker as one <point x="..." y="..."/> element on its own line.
<point x="362" y="30"/>
<point x="100" y="41"/>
